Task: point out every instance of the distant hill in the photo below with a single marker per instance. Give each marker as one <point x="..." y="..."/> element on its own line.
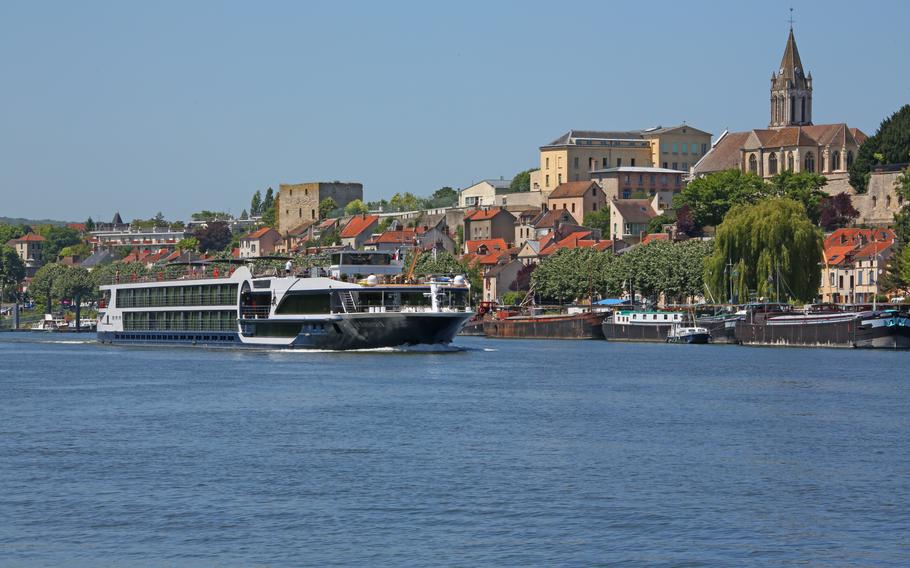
<point x="31" y="222"/>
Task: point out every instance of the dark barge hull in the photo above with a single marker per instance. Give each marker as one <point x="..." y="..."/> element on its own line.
<point x="722" y="331"/>
<point x="628" y="332"/>
<point x="893" y="333"/>
<point x="473" y="327"/>
<point x="578" y="326"/>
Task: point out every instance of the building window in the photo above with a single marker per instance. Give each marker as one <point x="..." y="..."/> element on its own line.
<point x="835" y="161"/>
<point x="618" y="162"/>
<point x="663" y="179"/>
<point x="558" y="178"/>
<point x="772" y="163"/>
<point x="685" y="166"/>
<point x="849" y="158"/>
<point x="547" y="181"/>
<point x="753" y="164"/>
<point x="810" y="162"/>
<point x="604" y="162"/>
<point x="313" y="213"/>
<point x="664" y="147"/>
<point x="666" y="165"/>
<point x="573" y="207"/>
<point x="632" y="162"/>
<point x="628" y="179"/>
<point x="790" y="161"/>
<point x="594" y="206"/>
<point x="678" y="179"/>
<point x="676" y="147"/>
<point x="547" y="162"/>
<point x="675" y="165"/>
<point x="576" y="162"/>
<point x="704" y="148"/>
<point x="300" y="212"/>
<point x="685" y="148"/>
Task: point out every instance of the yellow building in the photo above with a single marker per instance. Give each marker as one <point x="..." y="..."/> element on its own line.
<point x="575" y="154"/>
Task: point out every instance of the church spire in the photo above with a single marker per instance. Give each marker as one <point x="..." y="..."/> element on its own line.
<point x="791" y="89"/>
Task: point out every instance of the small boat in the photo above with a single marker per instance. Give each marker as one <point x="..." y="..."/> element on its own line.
<point x="688" y="334"/>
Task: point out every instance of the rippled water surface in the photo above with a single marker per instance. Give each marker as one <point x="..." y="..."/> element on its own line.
<point x="503" y="453"/>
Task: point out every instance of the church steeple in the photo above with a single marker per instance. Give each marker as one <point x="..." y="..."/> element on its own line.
<point x="791" y="90"/>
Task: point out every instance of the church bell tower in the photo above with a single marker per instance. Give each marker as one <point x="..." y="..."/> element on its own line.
<point x="791" y="90"/>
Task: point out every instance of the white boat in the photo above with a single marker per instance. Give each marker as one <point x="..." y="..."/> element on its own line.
<point x="50" y="323"/>
<point x="244" y="310"/>
<point x="681" y="333"/>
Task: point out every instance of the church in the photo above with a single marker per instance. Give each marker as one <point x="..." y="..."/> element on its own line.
<point x="791" y="141"/>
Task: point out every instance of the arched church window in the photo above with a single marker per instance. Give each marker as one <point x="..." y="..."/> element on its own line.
<point x="835" y="161"/>
<point x="790" y="161"/>
<point x="772" y="163"/>
<point x="849" y="158"/>
<point x="753" y="163"/>
<point x="810" y="162"/>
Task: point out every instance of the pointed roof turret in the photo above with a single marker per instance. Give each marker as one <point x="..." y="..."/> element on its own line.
<point x="117" y="220"/>
<point x="790" y="64"/>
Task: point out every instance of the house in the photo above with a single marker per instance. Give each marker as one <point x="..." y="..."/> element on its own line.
<point x="498" y="279"/>
<point x="483" y="193"/>
<point x="437" y="238"/>
<point x="491" y="223"/>
<point x="578" y="198"/>
<point x="854" y="261"/>
<point x="298" y="236"/>
<point x="395" y="240"/>
<point x="629" y="219"/>
<point x="29" y="248"/>
<point x="640" y="183"/>
<point x="358" y="231"/>
<point x="524" y="227"/>
<point x="261" y="242"/>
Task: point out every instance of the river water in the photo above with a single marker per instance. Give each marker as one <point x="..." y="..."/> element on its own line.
<point x="499" y="453"/>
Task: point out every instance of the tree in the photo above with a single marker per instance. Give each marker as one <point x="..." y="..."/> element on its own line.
<point x="42" y="286"/>
<point x="10" y="232"/>
<point x="269" y="200"/>
<point x="188" y="244"/>
<point x="656" y="224"/>
<point x="326" y="206"/>
<point x="804" y="187"/>
<point x="443" y="197"/>
<point x="214" y="237"/>
<point x="12" y="269"/>
<point x="574" y="274"/>
<point x="599" y="220"/>
<point x="206" y="215"/>
<point x="356" y="207"/>
<point x="256" y="204"/>
<point x="55" y="239"/>
<point x="74" y="283"/>
<point x="710" y="197"/>
<point x="661" y="267"/>
<point x="405" y="202"/>
<point x="80" y="250"/>
<point x="891" y="142"/>
<point x="270" y="212"/>
<point x="773" y="247"/>
<point x="89" y="225"/>
<point x="177" y="226"/>
<point x="684" y="222"/>
<point x="522" y="180"/>
<point x="836" y="211"/>
<point x="244" y="216"/>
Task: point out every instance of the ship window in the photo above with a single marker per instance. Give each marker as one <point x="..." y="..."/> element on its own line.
<point x="305" y="304"/>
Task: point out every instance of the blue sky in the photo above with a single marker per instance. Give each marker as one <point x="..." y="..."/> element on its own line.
<point x="182" y="106"/>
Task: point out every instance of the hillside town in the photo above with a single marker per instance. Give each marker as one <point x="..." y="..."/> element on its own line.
<point x="643" y="198"/>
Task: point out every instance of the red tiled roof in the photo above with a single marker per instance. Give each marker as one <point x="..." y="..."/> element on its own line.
<point x="844" y="245"/>
<point x="571" y="189"/>
<point x="77" y="226"/>
<point x="577" y="239"/>
<point x="358" y="225"/>
<point x="491" y="244"/>
<point x="651" y="237"/>
<point x="30" y="237"/>
<point x="483" y="214"/>
<point x="258" y="234"/>
<point x="406" y="236"/>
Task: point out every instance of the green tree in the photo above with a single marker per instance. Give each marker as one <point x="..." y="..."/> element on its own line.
<point x="80" y="250"/>
<point x="709" y="198"/>
<point x="891" y="142"/>
<point x="599" y="220"/>
<point x="89" y="225"/>
<point x="443" y="197"/>
<point x="656" y="224"/>
<point x="326" y="206"/>
<point x="214" y="237"/>
<point x="12" y="270"/>
<point x="74" y="283"/>
<point x="269" y="201"/>
<point x="43" y="286"/>
<point x="405" y="202"/>
<point x="115" y="272"/>
<point x="10" y="232"/>
<point x="661" y="267"/>
<point x="206" y="215"/>
<point x="522" y="180"/>
<point x="256" y="204"/>
<point x="188" y="244"/>
<point x="773" y="246"/>
<point x="57" y="238"/>
<point x="356" y="207"/>
<point x="574" y="274"/>
<point x="805" y="187"/>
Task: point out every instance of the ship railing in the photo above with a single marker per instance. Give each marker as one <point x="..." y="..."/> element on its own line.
<point x="377" y="309"/>
<point x="163" y="277"/>
<point x="180" y="327"/>
<point x="222" y="300"/>
<point x="254" y="312"/>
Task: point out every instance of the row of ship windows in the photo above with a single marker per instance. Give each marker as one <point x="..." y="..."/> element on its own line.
<point x="167" y="337"/>
<point x="163" y="296"/>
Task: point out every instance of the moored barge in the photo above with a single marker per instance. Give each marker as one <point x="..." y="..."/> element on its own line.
<point x="585" y="325"/>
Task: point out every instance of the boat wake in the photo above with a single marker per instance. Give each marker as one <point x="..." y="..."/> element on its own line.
<point x="399" y="349"/>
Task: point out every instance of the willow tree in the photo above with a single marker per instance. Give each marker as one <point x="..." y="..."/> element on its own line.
<point x="768" y="248"/>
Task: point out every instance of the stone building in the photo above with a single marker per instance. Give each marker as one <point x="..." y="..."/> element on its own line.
<point x="854" y="261"/>
<point x="299" y="202"/>
<point x="29" y="248"/>
<point x="579" y="198"/>
<point x="882" y="200"/>
<point x="791" y="141"/>
<point x="575" y="154"/>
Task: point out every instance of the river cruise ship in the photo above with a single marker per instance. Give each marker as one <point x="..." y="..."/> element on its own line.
<point x="243" y="310"/>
